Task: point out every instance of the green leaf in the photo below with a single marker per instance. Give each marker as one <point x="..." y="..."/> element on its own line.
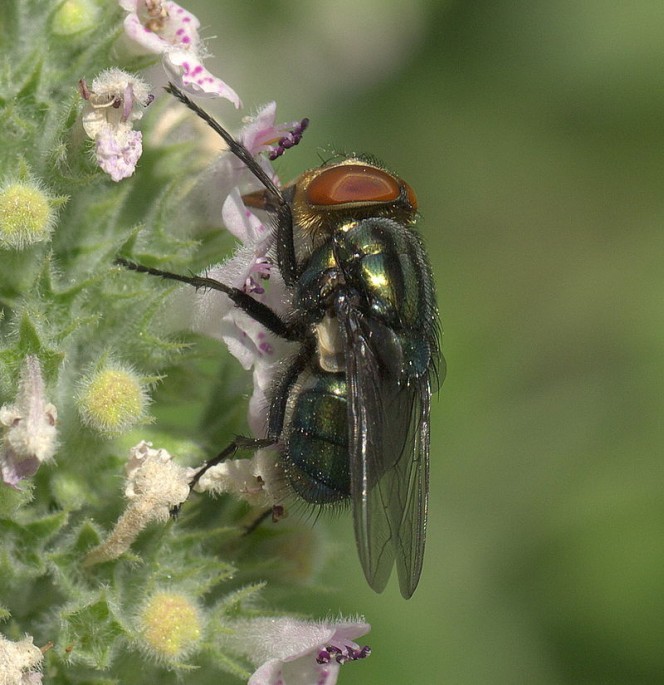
<point x="94" y="630"/>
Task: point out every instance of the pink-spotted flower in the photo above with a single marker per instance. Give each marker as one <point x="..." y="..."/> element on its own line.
<point x="28" y="427"/>
<point x="252" y="269"/>
<point x="162" y="27"/>
<point x="112" y="104"/>
<point x="290" y="651"/>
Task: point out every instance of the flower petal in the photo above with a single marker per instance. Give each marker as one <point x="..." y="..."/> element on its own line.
<point x="186" y="68"/>
<point x="260" y="129"/>
<point x="242" y="222"/>
<point x="117" y="152"/>
<point x="150" y="41"/>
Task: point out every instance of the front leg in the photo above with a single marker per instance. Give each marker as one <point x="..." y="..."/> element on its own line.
<point x="239" y="442"/>
<point x="256" y="310"/>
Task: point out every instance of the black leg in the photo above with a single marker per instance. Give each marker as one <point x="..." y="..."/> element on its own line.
<point x="282" y="389"/>
<point x="240" y="442"/>
<point x="239" y="150"/>
<point x="255" y="309"/>
<point x="263" y="516"/>
<point x="285" y="246"/>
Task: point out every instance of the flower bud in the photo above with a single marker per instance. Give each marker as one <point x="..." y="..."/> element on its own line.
<point x="112" y="400"/>
<point x="170" y="625"/>
<point x="26" y="215"/>
<point x="74" y="16"/>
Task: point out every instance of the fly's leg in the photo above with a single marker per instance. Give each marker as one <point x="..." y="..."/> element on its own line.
<point x="276" y="512"/>
<point x="285" y="246"/>
<point x="240" y="442"/>
<point x="256" y="310"/>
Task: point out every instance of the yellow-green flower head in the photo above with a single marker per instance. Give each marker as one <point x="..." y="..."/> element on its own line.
<point x="112" y="399"/>
<point x="27" y="215"/>
<point x="74" y="16"/>
<point x="170" y="625"/>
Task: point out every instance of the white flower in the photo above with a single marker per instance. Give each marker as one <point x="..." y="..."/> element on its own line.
<point x="20" y="662"/>
<point x="256" y="479"/>
<point x="164" y="28"/>
<point x="113" y="103"/>
<point x="251" y="269"/>
<point x="290" y="651"/>
<point x="155" y="482"/>
<point x="29" y="426"/>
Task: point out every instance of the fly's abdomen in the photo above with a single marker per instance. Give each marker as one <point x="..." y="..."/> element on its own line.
<point x="316" y="439"/>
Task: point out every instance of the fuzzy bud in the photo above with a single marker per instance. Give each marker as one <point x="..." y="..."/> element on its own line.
<point x="26" y="215"/>
<point x="170" y="625"/>
<point x="74" y="16"/>
<point x="112" y="400"/>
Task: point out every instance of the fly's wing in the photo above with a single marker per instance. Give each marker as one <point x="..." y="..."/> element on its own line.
<point x="409" y="488"/>
<point x="389" y="452"/>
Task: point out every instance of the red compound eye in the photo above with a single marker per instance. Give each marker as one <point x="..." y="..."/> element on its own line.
<point x="354" y="184"/>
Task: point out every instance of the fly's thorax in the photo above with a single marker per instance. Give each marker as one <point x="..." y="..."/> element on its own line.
<point x="319" y="280"/>
<point x="381" y="259"/>
<point x="381" y="264"/>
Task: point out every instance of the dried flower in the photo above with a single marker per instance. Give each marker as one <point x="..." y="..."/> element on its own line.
<point x="20" y="662"/>
<point x="256" y="479"/>
<point x="155" y="485"/>
<point x="113" y="103"/>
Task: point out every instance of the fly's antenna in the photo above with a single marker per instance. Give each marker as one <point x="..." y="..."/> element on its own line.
<point x="239" y="150"/>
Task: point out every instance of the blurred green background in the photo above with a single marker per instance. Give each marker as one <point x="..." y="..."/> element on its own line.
<point x="533" y="133"/>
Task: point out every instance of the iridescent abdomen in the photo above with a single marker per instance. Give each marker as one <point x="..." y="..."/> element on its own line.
<point x="315" y="438"/>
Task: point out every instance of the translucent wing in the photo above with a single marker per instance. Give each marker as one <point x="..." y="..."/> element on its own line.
<point x="389" y="451"/>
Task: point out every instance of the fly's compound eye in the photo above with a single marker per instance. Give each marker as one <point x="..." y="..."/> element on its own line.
<point x="356" y="185"/>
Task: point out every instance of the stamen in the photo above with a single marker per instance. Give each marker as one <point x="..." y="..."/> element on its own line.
<point x="83" y="89"/>
<point x="289" y="140"/>
<point x="330" y="652"/>
<point x="323" y="657"/>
